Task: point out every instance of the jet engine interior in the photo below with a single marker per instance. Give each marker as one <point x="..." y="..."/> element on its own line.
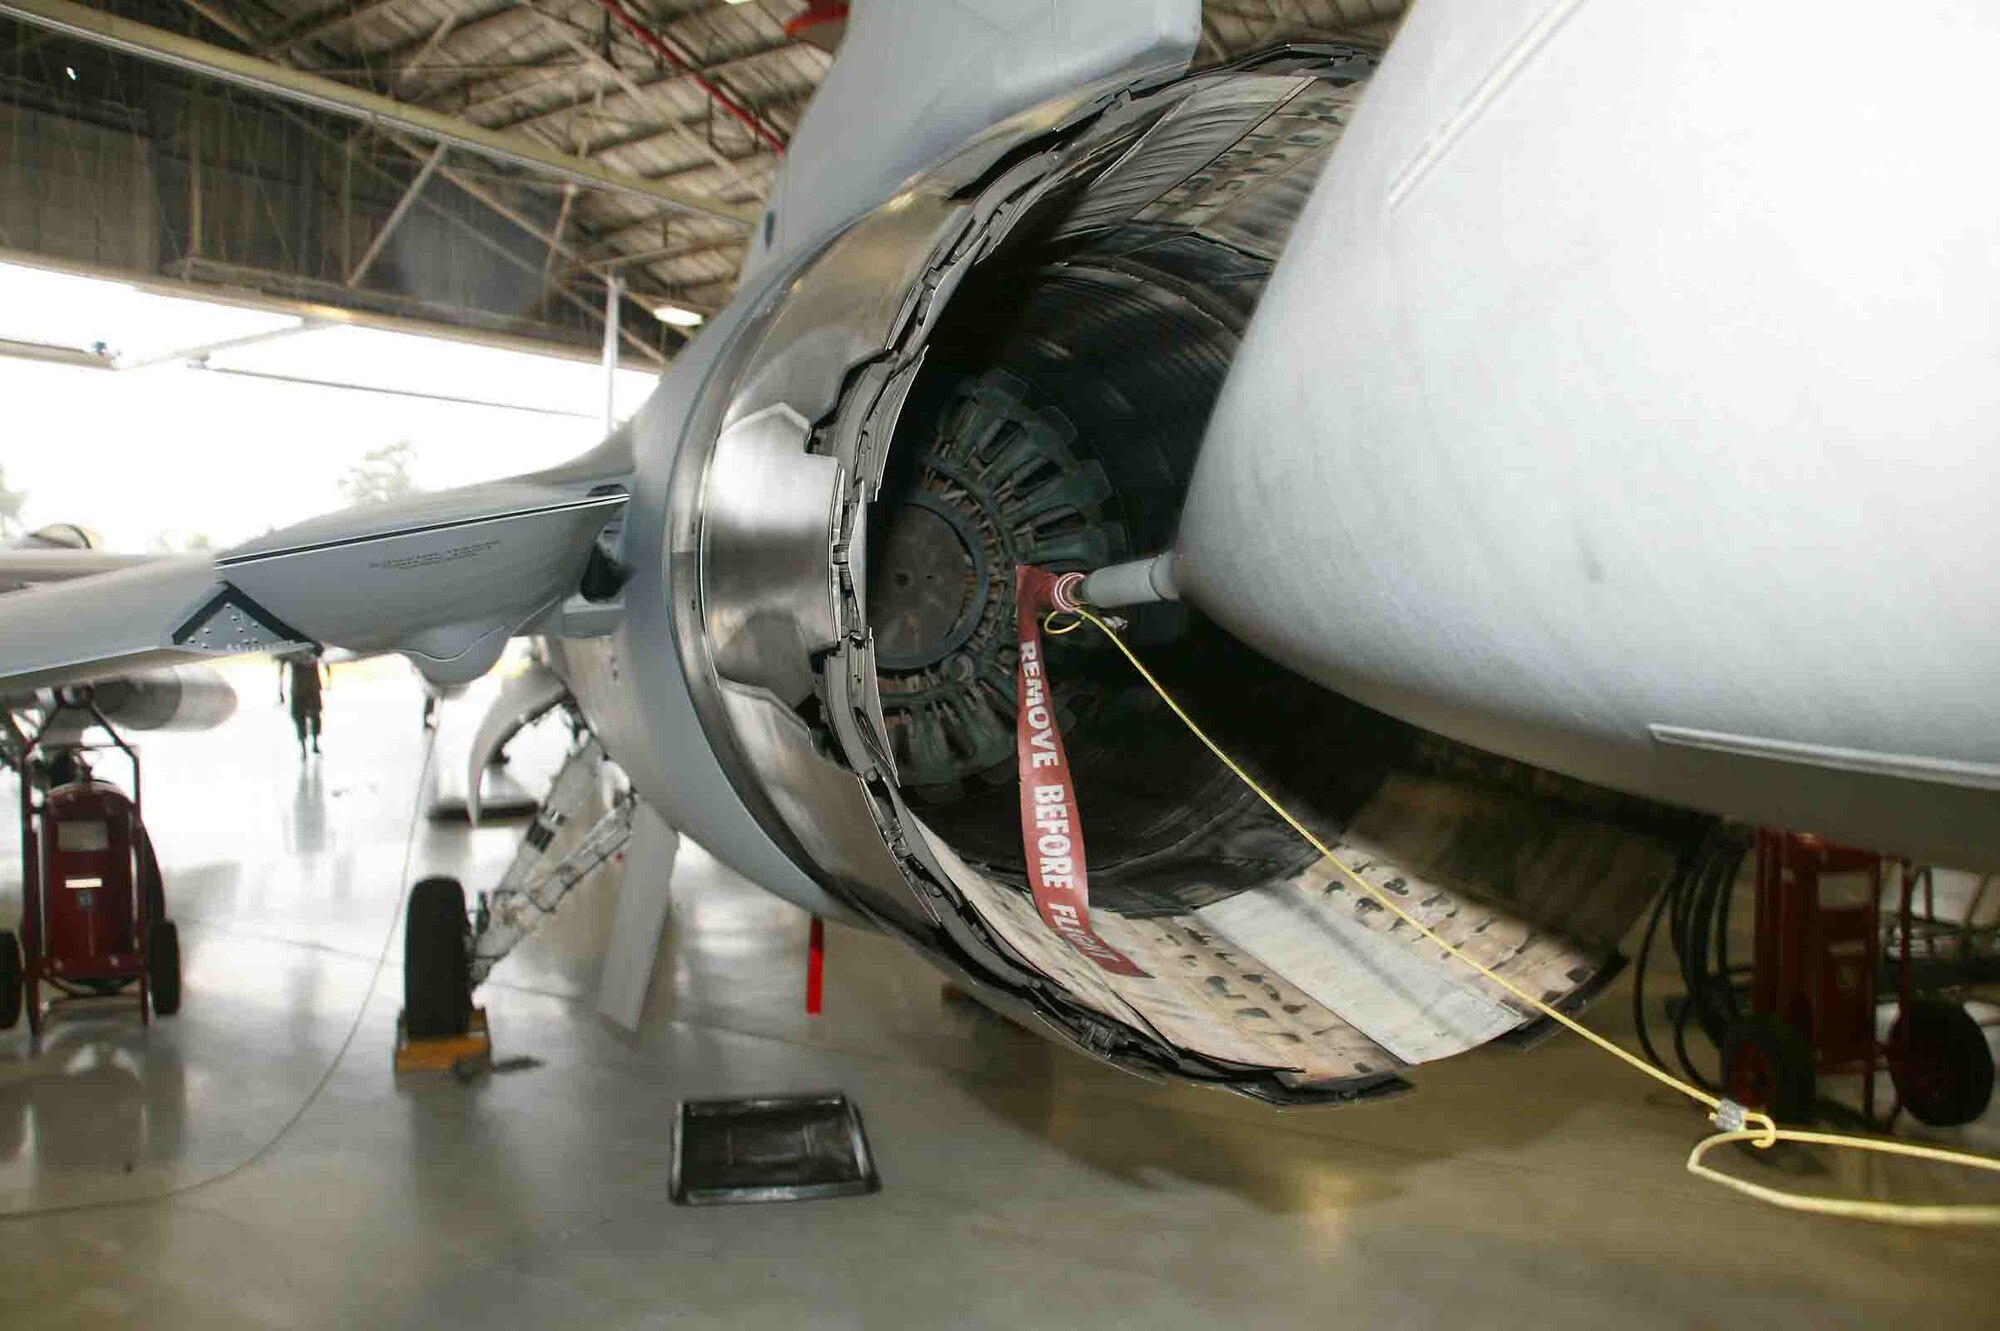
<point x="1063" y="313"/>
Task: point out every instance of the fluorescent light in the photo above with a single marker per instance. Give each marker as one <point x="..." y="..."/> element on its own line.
<point x="678" y="315"/>
<point x="115" y="320"/>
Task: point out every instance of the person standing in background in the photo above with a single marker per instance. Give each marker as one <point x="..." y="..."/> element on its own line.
<point x="302" y="672"/>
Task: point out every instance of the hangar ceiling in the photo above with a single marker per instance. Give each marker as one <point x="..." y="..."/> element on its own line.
<point x="120" y="163"/>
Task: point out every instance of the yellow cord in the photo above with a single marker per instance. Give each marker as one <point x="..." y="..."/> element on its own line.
<point x="1756" y="1127"/>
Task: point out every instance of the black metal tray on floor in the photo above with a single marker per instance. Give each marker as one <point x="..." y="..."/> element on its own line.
<point x="784" y="1148"/>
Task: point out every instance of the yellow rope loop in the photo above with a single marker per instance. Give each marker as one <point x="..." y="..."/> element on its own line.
<point x="1852" y="1208"/>
<point x="1072" y="621"/>
<point x="1756" y="1127"/>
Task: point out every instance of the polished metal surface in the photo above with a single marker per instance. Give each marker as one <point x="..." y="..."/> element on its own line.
<point x="822" y="804"/>
<point x="760" y="530"/>
<point x="768" y="593"/>
<point x="1023" y="1186"/>
<point x="845" y="306"/>
<point x="767" y="556"/>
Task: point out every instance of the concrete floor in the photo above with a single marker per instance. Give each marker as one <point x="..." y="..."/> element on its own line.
<point x="252" y="1162"/>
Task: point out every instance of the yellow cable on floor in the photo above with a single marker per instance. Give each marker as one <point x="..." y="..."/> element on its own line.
<point x="1739" y="1124"/>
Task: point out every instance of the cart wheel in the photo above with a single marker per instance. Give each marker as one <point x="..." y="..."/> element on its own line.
<point x="163" y="967"/>
<point x="1944" y="1075"/>
<point x="1769" y="1066"/>
<point x="437" y="972"/>
<point x="10" y="980"/>
<point x="149" y="877"/>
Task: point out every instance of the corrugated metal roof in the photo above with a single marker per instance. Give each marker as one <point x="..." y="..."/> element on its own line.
<point x="568" y="74"/>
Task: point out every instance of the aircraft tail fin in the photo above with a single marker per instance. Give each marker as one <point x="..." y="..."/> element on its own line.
<point x="916" y="78"/>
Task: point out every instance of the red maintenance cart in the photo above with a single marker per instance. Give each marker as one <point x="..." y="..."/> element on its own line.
<point x="93" y="909"/>
<point x="1819" y="966"/>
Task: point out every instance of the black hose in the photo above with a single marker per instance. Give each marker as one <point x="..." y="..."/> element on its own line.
<point x="1688" y="1068"/>
<point x="1697" y="964"/>
<point x="1689" y="949"/>
<point x="1680" y="928"/>
<point x="1675" y="884"/>
<point x="1726" y="899"/>
<point x="1696" y="904"/>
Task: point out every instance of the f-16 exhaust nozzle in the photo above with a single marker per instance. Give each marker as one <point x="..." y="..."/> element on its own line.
<point x="1028" y="385"/>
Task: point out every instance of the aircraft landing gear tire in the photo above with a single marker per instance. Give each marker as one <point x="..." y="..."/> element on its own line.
<point x="437" y="963"/>
<point x="163" y="967"/>
<point x="10" y="980"/>
<point x="1768" y="1065"/>
<point x="1944" y="1068"/>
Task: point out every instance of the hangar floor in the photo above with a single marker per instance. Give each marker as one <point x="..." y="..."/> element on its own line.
<point x="252" y="1162"/>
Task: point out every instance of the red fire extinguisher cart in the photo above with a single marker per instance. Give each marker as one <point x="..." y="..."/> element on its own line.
<point x="93" y="907"/>
<point x="1820" y="951"/>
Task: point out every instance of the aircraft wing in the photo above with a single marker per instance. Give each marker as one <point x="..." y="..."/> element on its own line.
<point x="178" y="697"/>
<point x="445" y="579"/>
<point x="31" y="567"/>
<point x="98" y="626"/>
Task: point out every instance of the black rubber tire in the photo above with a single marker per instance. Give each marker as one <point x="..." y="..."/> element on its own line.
<point x="156" y="898"/>
<point x="1945" y="1075"/>
<point x="437" y="966"/>
<point x="163" y="967"/>
<point x="1767" y="1065"/>
<point x="10" y="980"/>
<point x="149" y="878"/>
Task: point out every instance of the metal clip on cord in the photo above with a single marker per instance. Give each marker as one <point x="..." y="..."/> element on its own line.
<point x="1735" y="1122"/>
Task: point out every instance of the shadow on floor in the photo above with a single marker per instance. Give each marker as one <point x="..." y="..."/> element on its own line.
<point x="1143" y="1134"/>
